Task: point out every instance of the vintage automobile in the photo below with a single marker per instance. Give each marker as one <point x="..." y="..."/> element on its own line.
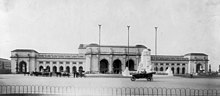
<point x="148" y="76"/>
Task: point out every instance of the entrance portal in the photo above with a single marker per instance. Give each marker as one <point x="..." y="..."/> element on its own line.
<point x="117" y="66"/>
<point x="130" y="65"/>
<point x="198" y="68"/>
<point x="103" y="66"/>
<point x="22" y="67"/>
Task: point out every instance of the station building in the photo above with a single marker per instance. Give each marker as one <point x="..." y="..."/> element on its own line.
<point x="104" y="59"/>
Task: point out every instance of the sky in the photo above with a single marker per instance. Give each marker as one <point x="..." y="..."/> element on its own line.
<point x="59" y="26"/>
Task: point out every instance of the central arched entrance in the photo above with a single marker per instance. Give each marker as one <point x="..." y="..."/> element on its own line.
<point x="103" y="66"/>
<point x="198" y="68"/>
<point x="130" y="65"/>
<point x="117" y="66"/>
<point x="22" y="67"/>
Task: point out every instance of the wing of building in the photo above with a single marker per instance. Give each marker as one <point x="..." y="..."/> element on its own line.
<point x="93" y="58"/>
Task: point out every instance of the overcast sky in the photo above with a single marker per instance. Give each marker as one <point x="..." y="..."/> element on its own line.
<point x="59" y="26"/>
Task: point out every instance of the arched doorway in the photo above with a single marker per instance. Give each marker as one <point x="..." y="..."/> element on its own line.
<point x="54" y="69"/>
<point x="48" y="69"/>
<point x="156" y="69"/>
<point x="74" y="69"/>
<point x="131" y="65"/>
<point x="177" y="70"/>
<point x="198" y="68"/>
<point x="161" y="68"/>
<point x="41" y="68"/>
<point x="117" y="66"/>
<point x="80" y="68"/>
<point x="183" y="70"/>
<point x="22" y="67"/>
<point x="103" y="66"/>
<point x="68" y="69"/>
<point x="61" y="68"/>
<point x="172" y="69"/>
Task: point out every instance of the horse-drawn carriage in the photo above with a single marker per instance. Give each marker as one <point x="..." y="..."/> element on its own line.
<point x="148" y="76"/>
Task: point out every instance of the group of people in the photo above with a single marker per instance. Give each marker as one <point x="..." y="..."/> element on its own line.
<point x="78" y="74"/>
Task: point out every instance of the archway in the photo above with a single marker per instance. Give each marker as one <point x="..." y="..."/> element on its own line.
<point x="117" y="66"/>
<point x="74" y="69"/>
<point x="156" y="69"/>
<point x="48" y="69"/>
<point x="68" y="69"/>
<point x="54" y="69"/>
<point x="198" y="68"/>
<point x="41" y="68"/>
<point x="172" y="69"/>
<point x="80" y="68"/>
<point x="131" y="65"/>
<point x="177" y="70"/>
<point x="183" y="70"/>
<point x="161" y="68"/>
<point x="22" y="67"/>
<point x="103" y="66"/>
<point x="61" y="68"/>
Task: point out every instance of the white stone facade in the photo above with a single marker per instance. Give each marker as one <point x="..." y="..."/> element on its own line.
<point x="93" y="58"/>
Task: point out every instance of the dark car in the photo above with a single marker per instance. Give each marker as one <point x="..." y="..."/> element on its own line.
<point x="148" y="76"/>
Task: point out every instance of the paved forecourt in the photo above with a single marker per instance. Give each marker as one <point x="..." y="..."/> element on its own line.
<point x="159" y="81"/>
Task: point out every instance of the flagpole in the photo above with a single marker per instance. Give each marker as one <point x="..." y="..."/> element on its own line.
<point x="99" y="45"/>
<point x="155" y="45"/>
<point x="128" y="46"/>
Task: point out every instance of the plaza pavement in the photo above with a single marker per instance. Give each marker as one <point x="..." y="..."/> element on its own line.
<point x="112" y="82"/>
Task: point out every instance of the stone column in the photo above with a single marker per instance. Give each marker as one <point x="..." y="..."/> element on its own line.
<point x="110" y="63"/>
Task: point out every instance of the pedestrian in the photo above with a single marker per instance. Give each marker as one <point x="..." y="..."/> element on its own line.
<point x="74" y="74"/>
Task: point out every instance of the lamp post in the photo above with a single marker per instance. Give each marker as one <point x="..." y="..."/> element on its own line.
<point x="128" y="46"/>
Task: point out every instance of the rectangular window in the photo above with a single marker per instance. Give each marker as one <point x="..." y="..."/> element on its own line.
<point x="61" y="62"/>
<point x="54" y="62"/>
<point x="41" y="62"/>
<point x="67" y="62"/>
<point x="161" y="63"/>
<point x="183" y="64"/>
<point x="178" y="63"/>
<point x="47" y="62"/>
<point x="156" y="63"/>
<point x="167" y="63"/>
<point x="172" y="63"/>
<point x="80" y="62"/>
<point x="74" y="62"/>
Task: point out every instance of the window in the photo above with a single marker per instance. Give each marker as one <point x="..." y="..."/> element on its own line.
<point x="183" y="64"/>
<point x="167" y="63"/>
<point x="54" y="62"/>
<point x="80" y="62"/>
<point x="156" y="63"/>
<point x="61" y="62"/>
<point x="74" y="62"/>
<point x="161" y="63"/>
<point x="67" y="62"/>
<point x="178" y="63"/>
<point x="172" y="63"/>
<point x="41" y="62"/>
<point x="47" y="62"/>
